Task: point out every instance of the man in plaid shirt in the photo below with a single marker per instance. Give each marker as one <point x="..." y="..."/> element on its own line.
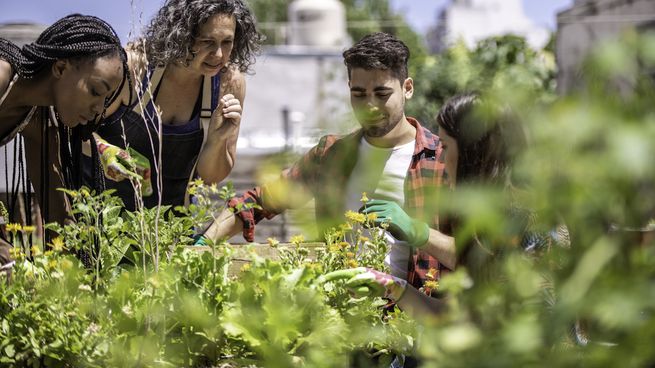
<point x="392" y="158"/>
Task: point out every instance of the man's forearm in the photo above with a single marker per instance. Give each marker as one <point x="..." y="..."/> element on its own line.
<point x="442" y="247"/>
<point x="419" y="305"/>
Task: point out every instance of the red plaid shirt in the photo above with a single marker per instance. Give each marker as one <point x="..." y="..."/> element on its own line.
<point x="324" y="171"/>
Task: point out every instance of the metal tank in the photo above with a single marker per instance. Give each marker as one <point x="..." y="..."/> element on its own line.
<point x="318" y="23"/>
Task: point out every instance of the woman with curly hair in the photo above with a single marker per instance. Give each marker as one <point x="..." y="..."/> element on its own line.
<point x="52" y="92"/>
<point x="186" y="114"/>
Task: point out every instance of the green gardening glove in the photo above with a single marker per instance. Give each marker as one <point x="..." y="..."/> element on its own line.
<point x="142" y="167"/>
<point x="201" y="241"/>
<point x="363" y="281"/>
<point x="401" y="226"/>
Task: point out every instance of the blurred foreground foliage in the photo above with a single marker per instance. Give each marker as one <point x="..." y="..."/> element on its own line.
<point x="587" y="164"/>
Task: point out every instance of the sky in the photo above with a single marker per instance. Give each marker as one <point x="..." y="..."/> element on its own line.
<point x="420" y="13"/>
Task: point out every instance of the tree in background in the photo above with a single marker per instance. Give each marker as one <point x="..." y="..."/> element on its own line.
<point x="496" y="63"/>
<point x="368" y="16"/>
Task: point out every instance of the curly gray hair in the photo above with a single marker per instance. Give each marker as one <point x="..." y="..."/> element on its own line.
<point x="172" y="32"/>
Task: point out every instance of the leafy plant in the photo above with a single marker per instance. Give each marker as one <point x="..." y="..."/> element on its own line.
<point x="188" y="311"/>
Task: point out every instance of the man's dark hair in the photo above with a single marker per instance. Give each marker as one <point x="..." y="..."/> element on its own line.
<point x="378" y="51"/>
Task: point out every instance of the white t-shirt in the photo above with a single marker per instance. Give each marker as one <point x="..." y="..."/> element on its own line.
<point x="381" y="172"/>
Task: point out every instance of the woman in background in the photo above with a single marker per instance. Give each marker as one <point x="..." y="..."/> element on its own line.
<point x="191" y="65"/>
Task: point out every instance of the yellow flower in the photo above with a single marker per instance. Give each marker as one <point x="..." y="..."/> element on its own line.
<point x="57" y="244"/>
<point x="355" y="217"/>
<point x="273" y="242"/>
<point x="372" y="216"/>
<point x="344" y="245"/>
<point x="315" y="266"/>
<point x="297" y="239"/>
<point x="350" y="255"/>
<point x="337" y="233"/>
<point x="48" y="253"/>
<point x="346" y="227"/>
<point x="364" y="239"/>
<point x="364" y="198"/>
<point x="14" y="227"/>
<point x="28" y="229"/>
<point x="432" y="274"/>
<point x="16" y="253"/>
<point x="334" y="248"/>
<point x="352" y="263"/>
<point x="35" y="251"/>
<point x="52" y="264"/>
<point x="245" y="267"/>
<point x="432" y="285"/>
<point x="66" y="264"/>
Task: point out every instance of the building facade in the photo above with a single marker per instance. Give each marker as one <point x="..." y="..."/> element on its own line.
<point x="589" y="22"/>
<point x="474" y="20"/>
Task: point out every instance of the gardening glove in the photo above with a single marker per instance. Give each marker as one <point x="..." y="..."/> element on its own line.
<point x="142" y="165"/>
<point x="201" y="241"/>
<point x="364" y="281"/>
<point x="401" y="226"/>
<point x="119" y="164"/>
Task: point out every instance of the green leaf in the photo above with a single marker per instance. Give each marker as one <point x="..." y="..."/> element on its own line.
<point x="10" y="351"/>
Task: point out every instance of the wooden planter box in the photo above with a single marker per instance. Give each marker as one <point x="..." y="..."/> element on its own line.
<point x="241" y="256"/>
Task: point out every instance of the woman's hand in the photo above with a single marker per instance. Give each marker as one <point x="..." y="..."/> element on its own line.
<point x="231" y="108"/>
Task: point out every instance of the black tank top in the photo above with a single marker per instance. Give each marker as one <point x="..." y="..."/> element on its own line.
<point x="181" y="146"/>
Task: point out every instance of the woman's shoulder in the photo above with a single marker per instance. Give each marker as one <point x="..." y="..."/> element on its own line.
<point x="233" y="81"/>
<point x="6" y="74"/>
<point x="137" y="64"/>
<point x="136" y="58"/>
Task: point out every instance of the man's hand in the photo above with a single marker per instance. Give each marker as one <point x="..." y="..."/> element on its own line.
<point x="401" y="226"/>
<point x="119" y="164"/>
<point x="363" y="281"/>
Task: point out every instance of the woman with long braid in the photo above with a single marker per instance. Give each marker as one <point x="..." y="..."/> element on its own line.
<point x="52" y="92"/>
<point x="185" y="116"/>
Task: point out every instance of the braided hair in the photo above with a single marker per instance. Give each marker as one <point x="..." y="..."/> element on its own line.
<point x="73" y="37"/>
<point x="76" y="38"/>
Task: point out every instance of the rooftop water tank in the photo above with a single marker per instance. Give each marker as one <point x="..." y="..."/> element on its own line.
<point x="319" y="23"/>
